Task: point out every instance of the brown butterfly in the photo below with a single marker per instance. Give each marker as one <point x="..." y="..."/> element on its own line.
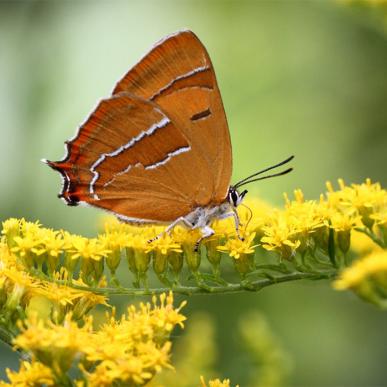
<point x="158" y="150"/>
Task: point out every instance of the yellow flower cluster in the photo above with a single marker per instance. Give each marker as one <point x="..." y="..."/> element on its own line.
<point x="50" y="280"/>
<point x="306" y="225"/>
<point x="30" y="374"/>
<point x="302" y="227"/>
<point x="24" y="293"/>
<point x="215" y="383"/>
<point x="367" y="277"/>
<point x="128" y="351"/>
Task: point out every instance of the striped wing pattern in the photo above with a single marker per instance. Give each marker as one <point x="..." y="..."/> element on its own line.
<point x="159" y="146"/>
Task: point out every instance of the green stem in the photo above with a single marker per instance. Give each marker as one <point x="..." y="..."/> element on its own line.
<point x="229" y="288"/>
<point x="6" y="336"/>
<point x="371" y="235"/>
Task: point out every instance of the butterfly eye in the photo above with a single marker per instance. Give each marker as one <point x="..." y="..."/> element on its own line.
<point x="234" y="198"/>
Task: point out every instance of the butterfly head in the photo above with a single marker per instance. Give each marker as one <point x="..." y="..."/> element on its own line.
<point x="234" y="197"/>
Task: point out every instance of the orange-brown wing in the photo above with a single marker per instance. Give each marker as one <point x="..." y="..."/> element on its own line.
<point x="177" y="74"/>
<point x="129" y="158"/>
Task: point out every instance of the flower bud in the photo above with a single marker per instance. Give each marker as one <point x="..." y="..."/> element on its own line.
<point x="159" y="262"/>
<point x="175" y="261"/>
<point x="244" y="264"/>
<point x="344" y="240"/>
<point x="365" y="214"/>
<point x="192" y="257"/>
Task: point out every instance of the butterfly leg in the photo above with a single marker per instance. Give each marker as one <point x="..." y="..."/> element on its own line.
<point x="169" y="229"/>
<point x="235" y="215"/>
<point x="206" y="231"/>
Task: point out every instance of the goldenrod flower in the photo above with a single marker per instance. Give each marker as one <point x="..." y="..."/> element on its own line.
<point x="87" y="249"/>
<point x="161" y="248"/>
<point x="238" y="247"/>
<point x="126" y="351"/>
<point x="10" y="229"/>
<point x="215" y="383"/>
<point x="362" y="245"/>
<point x="241" y="251"/>
<point x="24" y="246"/>
<point x="187" y="239"/>
<point x="366" y="199"/>
<point x="280" y="236"/>
<point x="164" y="245"/>
<point x="18" y="285"/>
<point x="65" y="299"/>
<point x="367" y="277"/>
<point x="30" y="374"/>
<point x="54" y="345"/>
<point x="374" y="264"/>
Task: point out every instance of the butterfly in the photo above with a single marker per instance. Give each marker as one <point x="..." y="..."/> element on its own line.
<point x="158" y="150"/>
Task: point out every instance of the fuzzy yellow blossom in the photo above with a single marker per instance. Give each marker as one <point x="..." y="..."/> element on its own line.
<point x="380" y="217"/>
<point x="114" y="242"/>
<point x="65" y="299"/>
<point x="161" y="248"/>
<point x="280" y="236"/>
<point x="92" y="252"/>
<point x="54" y="345"/>
<point x="242" y="251"/>
<point x="164" y="245"/>
<point x="366" y="199"/>
<point x="343" y="224"/>
<point x="138" y="256"/>
<point x="53" y="243"/>
<point x="215" y="383"/>
<point x="29" y="227"/>
<point x="7" y="259"/>
<point x="30" y="374"/>
<point x="362" y="245"/>
<point x="187" y="239"/>
<point x="128" y="351"/>
<point x="238" y="247"/>
<point x="19" y="286"/>
<point x="10" y="229"/>
<point x="373" y="266"/>
<point x="24" y="246"/>
<point x="87" y="249"/>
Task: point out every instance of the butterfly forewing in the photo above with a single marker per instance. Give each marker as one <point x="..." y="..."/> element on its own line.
<point x="178" y="75"/>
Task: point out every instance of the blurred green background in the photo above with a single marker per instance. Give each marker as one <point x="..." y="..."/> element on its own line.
<point x="297" y="77"/>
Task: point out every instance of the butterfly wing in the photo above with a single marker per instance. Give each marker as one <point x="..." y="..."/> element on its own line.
<point x="177" y="74"/>
<point x="160" y="146"/>
<point x="126" y="159"/>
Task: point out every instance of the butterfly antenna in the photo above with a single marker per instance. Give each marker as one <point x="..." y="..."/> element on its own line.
<point x="250" y="179"/>
<point x="268" y="176"/>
